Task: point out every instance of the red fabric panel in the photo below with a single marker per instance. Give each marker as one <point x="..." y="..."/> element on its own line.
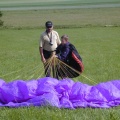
<point x="78" y="61"/>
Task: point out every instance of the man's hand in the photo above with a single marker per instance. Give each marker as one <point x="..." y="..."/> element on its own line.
<point x="55" y="56"/>
<point x="41" y="54"/>
<point x="43" y="59"/>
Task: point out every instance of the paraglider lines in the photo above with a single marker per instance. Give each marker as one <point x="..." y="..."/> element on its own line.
<point x="57" y="68"/>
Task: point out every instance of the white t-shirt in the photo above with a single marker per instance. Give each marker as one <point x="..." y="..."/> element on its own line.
<point x="47" y="39"/>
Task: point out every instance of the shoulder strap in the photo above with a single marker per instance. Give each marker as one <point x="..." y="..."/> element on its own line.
<point x="74" y="50"/>
<point x="72" y="47"/>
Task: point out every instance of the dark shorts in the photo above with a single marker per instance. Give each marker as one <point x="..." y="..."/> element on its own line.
<point x="47" y="54"/>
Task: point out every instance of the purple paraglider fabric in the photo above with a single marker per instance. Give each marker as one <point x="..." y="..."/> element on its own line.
<point x="59" y="93"/>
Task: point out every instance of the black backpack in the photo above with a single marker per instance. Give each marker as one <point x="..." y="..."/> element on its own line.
<point x="74" y="60"/>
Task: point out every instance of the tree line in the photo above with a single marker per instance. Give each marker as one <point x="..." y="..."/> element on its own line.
<point x="1" y="22"/>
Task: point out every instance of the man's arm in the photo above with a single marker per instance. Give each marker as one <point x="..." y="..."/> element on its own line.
<point x="58" y="39"/>
<point x="41" y="44"/>
<point x="42" y="55"/>
<point x="62" y="56"/>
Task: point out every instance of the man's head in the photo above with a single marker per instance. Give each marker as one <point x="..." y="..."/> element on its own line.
<point x="49" y="26"/>
<point x="64" y="39"/>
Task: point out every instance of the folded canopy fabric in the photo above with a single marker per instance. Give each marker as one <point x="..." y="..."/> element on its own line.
<point x="59" y="93"/>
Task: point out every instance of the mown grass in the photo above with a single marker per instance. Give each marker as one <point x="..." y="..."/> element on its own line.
<point x="19" y="59"/>
<point x="49" y="113"/>
<point x="62" y="18"/>
<point x="98" y="46"/>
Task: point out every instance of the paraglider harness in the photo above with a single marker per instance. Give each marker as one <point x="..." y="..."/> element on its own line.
<point x="74" y="60"/>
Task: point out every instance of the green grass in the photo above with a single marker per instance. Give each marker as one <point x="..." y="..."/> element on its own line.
<point x="62" y="18"/>
<point x="98" y="46"/>
<point x="49" y="113"/>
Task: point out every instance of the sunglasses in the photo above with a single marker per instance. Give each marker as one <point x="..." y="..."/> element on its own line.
<point x="49" y="26"/>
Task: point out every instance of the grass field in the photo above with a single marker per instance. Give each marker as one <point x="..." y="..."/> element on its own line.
<point x="62" y="18"/>
<point x="99" y="48"/>
<point x="96" y="34"/>
<point x="56" y="4"/>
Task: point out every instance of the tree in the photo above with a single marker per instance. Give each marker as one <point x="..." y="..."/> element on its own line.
<point x="1" y="22"/>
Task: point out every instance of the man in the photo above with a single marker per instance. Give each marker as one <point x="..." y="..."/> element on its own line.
<point x="49" y="41"/>
<point x="63" y="49"/>
<point x="67" y="53"/>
